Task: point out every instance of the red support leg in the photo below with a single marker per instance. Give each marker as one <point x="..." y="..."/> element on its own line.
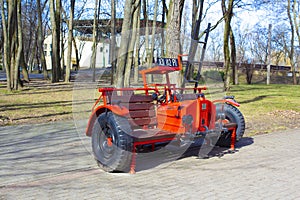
<point x="233" y="139"/>
<point x="133" y="160"/>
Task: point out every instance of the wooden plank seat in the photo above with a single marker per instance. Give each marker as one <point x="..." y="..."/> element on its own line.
<point x="141" y="108"/>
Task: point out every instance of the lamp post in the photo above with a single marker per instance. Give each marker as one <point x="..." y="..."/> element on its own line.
<point x="269" y="55"/>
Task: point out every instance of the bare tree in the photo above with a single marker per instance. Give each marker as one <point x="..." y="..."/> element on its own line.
<point x="215" y="46"/>
<point x="95" y="38"/>
<point x="173" y="46"/>
<point x="70" y="40"/>
<point x="233" y="58"/>
<point x="55" y="16"/>
<point x="164" y="13"/>
<point x="137" y="52"/>
<point x="292" y="41"/>
<point x="146" y="21"/>
<point x="112" y="47"/>
<point x="227" y="10"/>
<point x="122" y="67"/>
<point x="153" y="32"/>
<point x="133" y="36"/>
<point x="19" y="46"/>
<point x="196" y="22"/>
<point x="12" y="41"/>
<point x="40" y="36"/>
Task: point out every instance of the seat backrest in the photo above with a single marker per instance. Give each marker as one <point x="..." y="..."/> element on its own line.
<point x="141" y="109"/>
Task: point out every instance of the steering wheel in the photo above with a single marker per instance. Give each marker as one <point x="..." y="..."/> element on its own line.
<point x="162" y="99"/>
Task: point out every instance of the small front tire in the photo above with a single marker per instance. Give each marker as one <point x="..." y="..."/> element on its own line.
<point x="232" y="115"/>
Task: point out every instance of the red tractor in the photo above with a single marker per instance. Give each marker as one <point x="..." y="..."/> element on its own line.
<point x="129" y="118"/>
<point x="157" y="114"/>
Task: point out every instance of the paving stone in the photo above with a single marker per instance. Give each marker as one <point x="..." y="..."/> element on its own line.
<point x="53" y="161"/>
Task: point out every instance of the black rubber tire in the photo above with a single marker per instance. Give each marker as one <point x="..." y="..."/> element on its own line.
<point x="116" y="157"/>
<point x="234" y="115"/>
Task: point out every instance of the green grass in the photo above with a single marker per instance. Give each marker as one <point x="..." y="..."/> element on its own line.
<point x="263" y="98"/>
<point x="268" y="108"/>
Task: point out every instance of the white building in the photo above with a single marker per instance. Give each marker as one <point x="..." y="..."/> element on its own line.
<point x="84" y="46"/>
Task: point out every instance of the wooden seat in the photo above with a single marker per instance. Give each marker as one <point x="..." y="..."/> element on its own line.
<point x="141" y="108"/>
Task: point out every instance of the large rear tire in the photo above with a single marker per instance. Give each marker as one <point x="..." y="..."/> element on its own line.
<point x="111" y="142"/>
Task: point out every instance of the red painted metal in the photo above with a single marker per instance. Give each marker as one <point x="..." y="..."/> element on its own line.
<point x="229" y="101"/>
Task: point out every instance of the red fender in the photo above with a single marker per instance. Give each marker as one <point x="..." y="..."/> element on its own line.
<point x="229" y="101"/>
<point x="118" y="110"/>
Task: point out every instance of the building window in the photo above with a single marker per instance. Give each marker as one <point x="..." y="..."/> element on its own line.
<point x="101" y="49"/>
<point x="50" y="53"/>
<point x="45" y="53"/>
<point x="45" y="46"/>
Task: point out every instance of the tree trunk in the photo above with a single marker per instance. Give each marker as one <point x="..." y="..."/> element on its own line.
<point x="129" y="62"/>
<point x="12" y="41"/>
<point x="194" y="35"/>
<point x="112" y="48"/>
<point x="296" y="25"/>
<point x="95" y="41"/>
<point x="24" y="68"/>
<point x="6" y="43"/>
<point x="55" y="23"/>
<point x="137" y="52"/>
<point x="62" y="54"/>
<point x="249" y="72"/>
<point x="164" y="13"/>
<point x="76" y="53"/>
<point x="147" y="45"/>
<point x="173" y="46"/>
<point x="70" y="39"/>
<point x="58" y="28"/>
<point x="19" y="45"/>
<point x="269" y="55"/>
<point x="122" y="57"/>
<point x="235" y="74"/>
<point x="153" y="32"/>
<point x="41" y="40"/>
<point x="291" y="52"/>
<point x="227" y="13"/>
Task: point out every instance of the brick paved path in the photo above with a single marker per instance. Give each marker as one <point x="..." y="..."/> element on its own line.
<point x="51" y="161"/>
